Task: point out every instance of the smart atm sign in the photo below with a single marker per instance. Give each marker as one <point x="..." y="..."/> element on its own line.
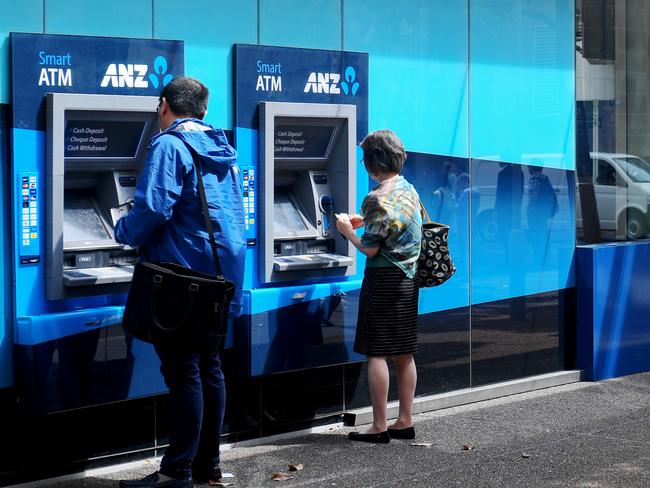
<point x="56" y="69"/>
<point x="44" y="63"/>
<point x="284" y="74"/>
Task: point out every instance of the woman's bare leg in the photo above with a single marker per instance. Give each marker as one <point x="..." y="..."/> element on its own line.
<point x="378" y="381"/>
<point x="407" y="377"/>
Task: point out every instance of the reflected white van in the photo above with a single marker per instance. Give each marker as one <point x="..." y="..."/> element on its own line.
<point x="622" y="189"/>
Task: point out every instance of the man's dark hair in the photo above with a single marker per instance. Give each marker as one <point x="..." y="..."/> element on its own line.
<point x="383" y="152"/>
<point x="186" y="96"/>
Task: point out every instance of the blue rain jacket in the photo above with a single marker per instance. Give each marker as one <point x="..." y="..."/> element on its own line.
<point x="166" y="222"/>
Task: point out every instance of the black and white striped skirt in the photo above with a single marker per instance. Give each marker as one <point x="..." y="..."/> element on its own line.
<point x="388" y="313"/>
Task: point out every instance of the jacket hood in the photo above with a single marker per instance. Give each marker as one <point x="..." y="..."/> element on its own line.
<point x="209" y="143"/>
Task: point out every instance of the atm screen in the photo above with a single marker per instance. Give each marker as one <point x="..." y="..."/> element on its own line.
<point x="81" y="221"/>
<point x="303" y="141"/>
<point x="103" y="139"/>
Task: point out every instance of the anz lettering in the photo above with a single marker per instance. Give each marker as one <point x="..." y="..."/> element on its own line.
<point x="323" y="83"/>
<point x="125" y="75"/>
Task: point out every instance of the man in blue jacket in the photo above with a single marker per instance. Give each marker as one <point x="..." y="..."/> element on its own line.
<point x="166" y="224"/>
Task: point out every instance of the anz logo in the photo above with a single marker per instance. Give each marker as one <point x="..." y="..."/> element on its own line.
<point x="329" y="83"/>
<point x="135" y="75"/>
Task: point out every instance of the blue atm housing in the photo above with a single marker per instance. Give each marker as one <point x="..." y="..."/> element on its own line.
<point x="300" y="323"/>
<point x="71" y="352"/>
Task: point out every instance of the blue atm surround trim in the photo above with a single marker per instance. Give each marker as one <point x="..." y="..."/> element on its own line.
<point x="316" y="330"/>
<point x="265" y="299"/>
<point x="96" y="366"/>
<point x="612" y="303"/>
<point x="35" y="329"/>
<point x="29" y="154"/>
<point x="6" y="339"/>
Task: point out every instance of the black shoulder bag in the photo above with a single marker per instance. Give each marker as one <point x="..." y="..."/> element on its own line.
<point x="174" y="306"/>
<point x="434" y="263"/>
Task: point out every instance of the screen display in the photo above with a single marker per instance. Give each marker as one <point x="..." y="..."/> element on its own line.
<point x="303" y="142"/>
<point x="286" y="218"/>
<point x="102" y="139"/>
<point x="81" y="222"/>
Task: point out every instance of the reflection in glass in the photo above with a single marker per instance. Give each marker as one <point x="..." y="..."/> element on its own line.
<point x="621" y="189"/>
<point x="635" y="168"/>
<point x="612" y="124"/>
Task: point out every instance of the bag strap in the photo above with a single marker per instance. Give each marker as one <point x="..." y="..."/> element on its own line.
<point x="424" y="212"/>
<point x="204" y="202"/>
<point x="206" y="213"/>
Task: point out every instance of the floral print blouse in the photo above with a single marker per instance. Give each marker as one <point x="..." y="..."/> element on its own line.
<point x="391" y="215"/>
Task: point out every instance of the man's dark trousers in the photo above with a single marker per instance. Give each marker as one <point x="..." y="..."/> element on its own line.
<point x="197" y="400"/>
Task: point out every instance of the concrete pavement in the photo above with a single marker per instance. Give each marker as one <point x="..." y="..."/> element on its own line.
<point x="578" y="435"/>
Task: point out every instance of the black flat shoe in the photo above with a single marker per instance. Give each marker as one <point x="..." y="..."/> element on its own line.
<point x="378" y="438"/>
<point x="407" y="433"/>
<point x="207" y="478"/>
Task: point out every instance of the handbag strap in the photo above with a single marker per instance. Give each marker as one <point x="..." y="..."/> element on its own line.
<point x="424" y="212"/>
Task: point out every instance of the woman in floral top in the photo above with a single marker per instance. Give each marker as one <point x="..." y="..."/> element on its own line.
<point x="388" y="306"/>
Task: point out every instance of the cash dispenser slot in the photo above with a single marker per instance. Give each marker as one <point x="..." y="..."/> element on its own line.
<point x="298" y="243"/>
<point x="90" y="254"/>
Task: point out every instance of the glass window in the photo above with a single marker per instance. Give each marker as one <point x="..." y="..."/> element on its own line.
<point x="606" y="174"/>
<point x="612" y="121"/>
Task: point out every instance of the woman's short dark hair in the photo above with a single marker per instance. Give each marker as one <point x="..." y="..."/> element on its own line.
<point x="186" y="96"/>
<point x="383" y="152"/>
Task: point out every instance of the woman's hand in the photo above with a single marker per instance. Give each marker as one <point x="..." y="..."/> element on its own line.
<point x="344" y="225"/>
<point x="356" y="220"/>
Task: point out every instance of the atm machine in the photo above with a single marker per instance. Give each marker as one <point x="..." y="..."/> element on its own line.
<point x="301" y="285"/>
<point x="72" y="276"/>
<point x="307" y="153"/>
<point x="95" y="145"/>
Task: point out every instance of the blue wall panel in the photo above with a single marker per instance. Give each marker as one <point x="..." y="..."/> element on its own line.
<point x="296" y="23"/>
<point x="117" y="18"/>
<point x="208" y="45"/>
<point x="23" y="16"/>
<point x="613" y="309"/>
<point x="418" y="68"/>
<point x="523" y="230"/>
<point x="522" y="81"/>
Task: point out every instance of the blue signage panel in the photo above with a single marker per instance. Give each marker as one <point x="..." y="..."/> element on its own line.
<point x="43" y="63"/>
<point x="281" y="74"/>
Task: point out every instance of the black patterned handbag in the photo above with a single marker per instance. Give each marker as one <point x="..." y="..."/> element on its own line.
<point x="170" y="305"/>
<point x="434" y="264"/>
